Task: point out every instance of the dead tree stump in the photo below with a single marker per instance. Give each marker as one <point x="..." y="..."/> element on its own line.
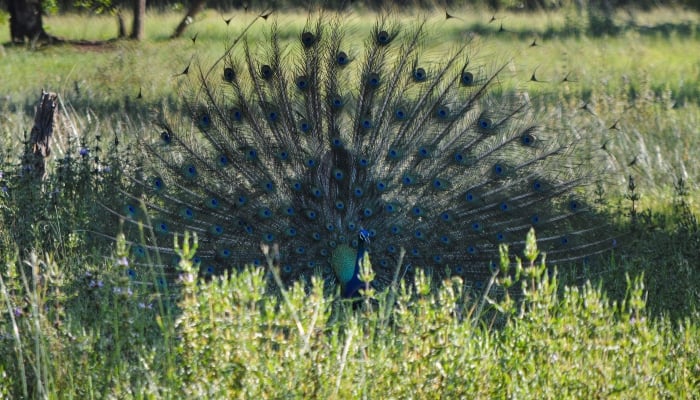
<point x="38" y="147"/>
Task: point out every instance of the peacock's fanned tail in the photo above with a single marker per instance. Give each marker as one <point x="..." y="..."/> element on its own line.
<point x="307" y="143"/>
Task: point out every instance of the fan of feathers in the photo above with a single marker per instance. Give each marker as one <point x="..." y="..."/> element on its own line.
<point x="331" y="149"/>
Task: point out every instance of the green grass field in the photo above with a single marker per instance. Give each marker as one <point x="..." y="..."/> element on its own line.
<point x="73" y="325"/>
<point x="646" y="79"/>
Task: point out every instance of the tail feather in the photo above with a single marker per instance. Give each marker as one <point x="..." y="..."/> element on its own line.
<point x="308" y="144"/>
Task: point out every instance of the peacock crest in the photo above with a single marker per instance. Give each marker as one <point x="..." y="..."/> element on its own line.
<point x="331" y="154"/>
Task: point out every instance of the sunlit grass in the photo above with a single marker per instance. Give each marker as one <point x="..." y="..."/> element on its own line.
<point x="610" y="62"/>
<point x="642" y="79"/>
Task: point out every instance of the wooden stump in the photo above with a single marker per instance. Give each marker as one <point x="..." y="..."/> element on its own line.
<point x="38" y="148"/>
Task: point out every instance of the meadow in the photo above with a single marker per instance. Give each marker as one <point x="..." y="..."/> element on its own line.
<point x="74" y="324"/>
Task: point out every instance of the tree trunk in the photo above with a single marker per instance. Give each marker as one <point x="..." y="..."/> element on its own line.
<point x="121" y="28"/>
<point x="534" y="5"/>
<point x="25" y="21"/>
<point x="137" y="29"/>
<point x="195" y="8"/>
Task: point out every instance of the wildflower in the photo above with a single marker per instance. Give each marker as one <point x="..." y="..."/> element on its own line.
<point x="186" y="278"/>
<point x="95" y="284"/>
<point x="84" y="151"/>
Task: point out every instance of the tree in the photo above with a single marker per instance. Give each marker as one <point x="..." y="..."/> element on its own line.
<point x="195" y="8"/>
<point x="137" y="28"/>
<point x="26" y="22"/>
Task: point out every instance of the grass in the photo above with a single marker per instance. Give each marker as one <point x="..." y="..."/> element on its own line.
<point x="80" y="320"/>
<point x="642" y="78"/>
<point x="118" y="338"/>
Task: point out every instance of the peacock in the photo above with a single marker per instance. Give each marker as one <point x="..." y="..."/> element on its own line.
<point x="331" y="150"/>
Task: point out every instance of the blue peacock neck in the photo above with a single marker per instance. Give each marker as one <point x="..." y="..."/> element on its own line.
<point x="346" y="263"/>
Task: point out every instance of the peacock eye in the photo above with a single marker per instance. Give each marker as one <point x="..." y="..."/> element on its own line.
<point x="442" y="112"/>
<point x="302" y="83"/>
<point x="419" y="75"/>
<point x="304" y="126"/>
<point x="383" y="38"/>
<point x="467" y="78"/>
<point x="308" y="39"/>
<point x="485" y="123"/>
<point x="266" y="72"/>
<point x="342" y="59"/>
<point x="166" y="137"/>
<point x="229" y="74"/>
<point x="527" y="139"/>
<point x="373" y="80"/>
